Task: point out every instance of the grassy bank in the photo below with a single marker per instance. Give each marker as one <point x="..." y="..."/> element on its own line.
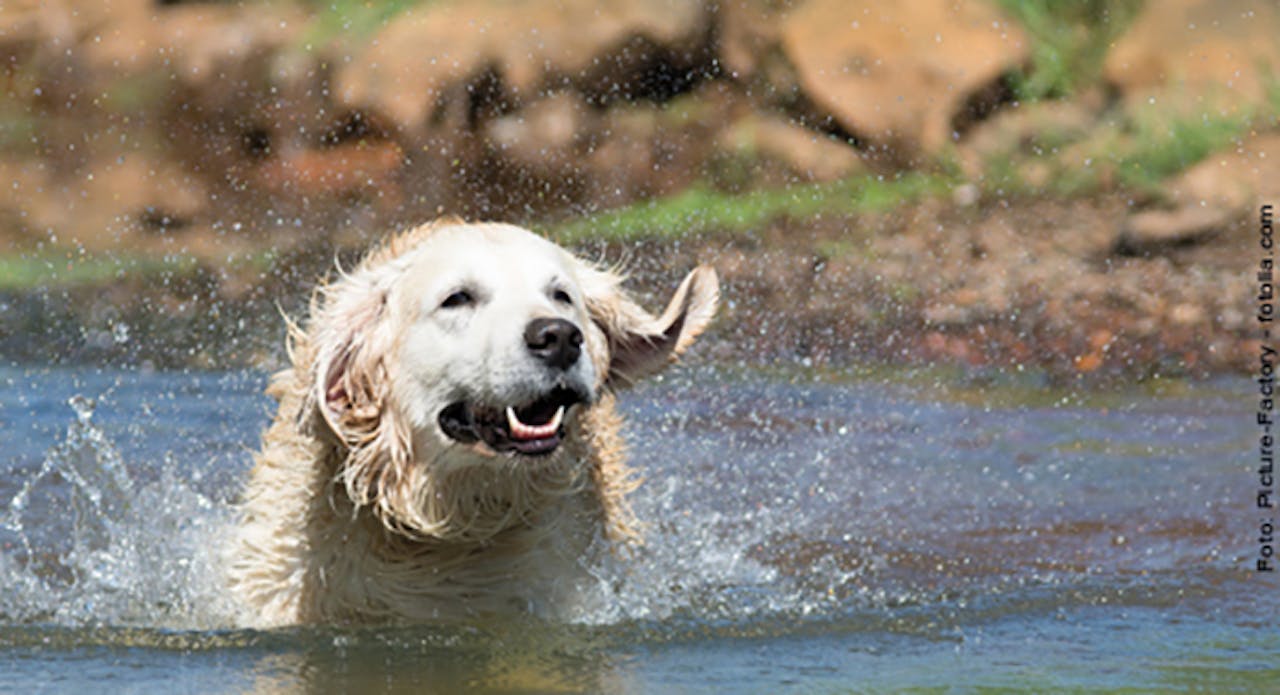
<point x="699" y="211"/>
<point x="71" y="268"/>
<point x="702" y="210"/>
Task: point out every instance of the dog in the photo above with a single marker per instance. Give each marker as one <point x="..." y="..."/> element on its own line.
<point x="446" y="444"/>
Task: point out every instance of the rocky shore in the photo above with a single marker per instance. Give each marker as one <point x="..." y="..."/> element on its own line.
<point x="175" y="174"/>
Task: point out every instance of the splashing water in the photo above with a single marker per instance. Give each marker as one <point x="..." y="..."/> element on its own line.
<point x="775" y="506"/>
<point x="85" y="542"/>
<point x="762" y="499"/>
<point x="88" y="541"/>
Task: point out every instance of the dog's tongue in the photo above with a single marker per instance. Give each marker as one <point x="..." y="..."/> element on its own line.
<point x="521" y="431"/>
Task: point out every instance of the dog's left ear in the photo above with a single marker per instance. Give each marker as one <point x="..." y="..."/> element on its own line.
<point x="639" y="343"/>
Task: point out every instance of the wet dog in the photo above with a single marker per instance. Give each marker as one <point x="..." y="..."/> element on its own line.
<point x="446" y="443"/>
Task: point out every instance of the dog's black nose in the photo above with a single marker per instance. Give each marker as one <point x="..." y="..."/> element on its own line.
<point x="554" y="341"/>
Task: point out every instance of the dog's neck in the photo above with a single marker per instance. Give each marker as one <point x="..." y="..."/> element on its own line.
<point x="473" y="502"/>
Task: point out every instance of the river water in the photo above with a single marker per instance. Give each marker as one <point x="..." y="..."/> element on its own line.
<point x="808" y="532"/>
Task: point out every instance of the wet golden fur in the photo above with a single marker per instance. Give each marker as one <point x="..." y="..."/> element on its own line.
<point x="355" y="511"/>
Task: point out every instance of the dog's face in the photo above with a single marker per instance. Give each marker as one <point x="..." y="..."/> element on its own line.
<point x="497" y="341"/>
<point x="470" y="344"/>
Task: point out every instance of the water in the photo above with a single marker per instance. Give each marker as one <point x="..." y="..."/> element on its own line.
<point x="807" y="533"/>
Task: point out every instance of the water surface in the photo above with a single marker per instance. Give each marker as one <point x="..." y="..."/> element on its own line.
<point x="807" y="533"/>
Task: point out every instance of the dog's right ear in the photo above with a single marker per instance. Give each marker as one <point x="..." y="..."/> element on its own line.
<point x="350" y="337"/>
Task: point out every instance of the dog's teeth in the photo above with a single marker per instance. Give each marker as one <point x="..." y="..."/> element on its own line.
<point x="519" y="430"/>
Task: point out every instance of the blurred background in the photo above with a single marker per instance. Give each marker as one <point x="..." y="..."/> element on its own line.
<point x="1070" y="186"/>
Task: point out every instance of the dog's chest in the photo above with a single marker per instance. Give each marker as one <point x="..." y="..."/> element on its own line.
<point x="535" y="566"/>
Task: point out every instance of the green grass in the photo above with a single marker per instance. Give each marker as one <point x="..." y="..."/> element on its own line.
<point x="64" y="268"/>
<point x="53" y="270"/>
<point x="1161" y="146"/>
<point x="1137" y="148"/>
<point x="138" y="92"/>
<point x="19" y="129"/>
<point x="702" y="210"/>
<point x="357" y="19"/>
<point x="1069" y="42"/>
<point x="699" y="210"/>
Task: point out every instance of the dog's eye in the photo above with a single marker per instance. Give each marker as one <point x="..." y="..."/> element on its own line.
<point x="460" y="298"/>
<point x="562" y="297"/>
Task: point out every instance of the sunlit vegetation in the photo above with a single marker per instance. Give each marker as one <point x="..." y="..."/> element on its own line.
<point x="68" y="269"/>
<point x="699" y="210"/>
<point x="58" y="268"/>
<point x="352" y="18"/>
<point x="1069" y="42"/>
<point x="678" y="143"/>
<point x="1134" y="148"/>
<point x="1159" y="145"/>
<point x="704" y="210"/>
<point x="1131" y="146"/>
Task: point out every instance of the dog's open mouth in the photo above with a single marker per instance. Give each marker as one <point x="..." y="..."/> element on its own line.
<point x="532" y="429"/>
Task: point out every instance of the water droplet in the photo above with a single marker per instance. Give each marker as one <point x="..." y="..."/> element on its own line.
<point x="83" y="407"/>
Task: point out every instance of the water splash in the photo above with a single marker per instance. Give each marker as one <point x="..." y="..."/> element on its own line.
<point x="765" y="501"/>
<point x="84" y="541"/>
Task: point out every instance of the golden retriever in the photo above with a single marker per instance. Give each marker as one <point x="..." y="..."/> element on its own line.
<point x="446" y="443"/>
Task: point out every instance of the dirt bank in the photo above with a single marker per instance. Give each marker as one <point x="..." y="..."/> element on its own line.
<point x="176" y="173"/>
<point x="1037" y="284"/>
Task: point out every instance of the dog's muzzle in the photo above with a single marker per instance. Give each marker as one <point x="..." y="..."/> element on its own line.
<point x="532" y="429"/>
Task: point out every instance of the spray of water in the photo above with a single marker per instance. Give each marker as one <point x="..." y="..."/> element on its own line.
<point x="764" y="502"/>
<point x="89" y="538"/>
<point x="85" y="542"/>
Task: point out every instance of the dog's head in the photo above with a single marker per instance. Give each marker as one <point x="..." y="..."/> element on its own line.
<point x="468" y="345"/>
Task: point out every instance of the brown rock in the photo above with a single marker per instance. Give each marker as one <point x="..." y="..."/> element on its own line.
<point x="193" y="41"/>
<point x="807" y="154"/>
<point x="1219" y="192"/>
<point x="1153" y="231"/>
<point x="113" y="197"/>
<point x="748" y="34"/>
<point x="624" y="160"/>
<point x="1100" y="339"/>
<point x="1222" y="180"/>
<point x="24" y="23"/>
<point x="414" y="64"/>
<point x="946" y="311"/>
<point x="543" y="134"/>
<point x="1195" y="51"/>
<point x="899" y="72"/>
<point x="1025" y="129"/>
<point x="1238" y="179"/>
<point x="1088" y="362"/>
<point x="361" y="170"/>
<point x="1187" y="314"/>
<point x="205" y="42"/>
<point x="24" y="181"/>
